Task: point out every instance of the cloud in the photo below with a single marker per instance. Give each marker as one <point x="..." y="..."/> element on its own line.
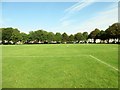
<point x="65" y="23"/>
<point x="75" y="8"/>
<point x="79" y="6"/>
<point x="101" y="20"/>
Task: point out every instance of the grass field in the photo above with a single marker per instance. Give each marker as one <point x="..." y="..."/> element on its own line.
<point x="60" y="66"/>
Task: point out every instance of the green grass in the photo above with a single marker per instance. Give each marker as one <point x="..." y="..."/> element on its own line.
<point x="0" y="67"/>
<point x="60" y="66"/>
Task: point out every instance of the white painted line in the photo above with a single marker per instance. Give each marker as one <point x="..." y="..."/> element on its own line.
<point x="103" y="62"/>
<point x="48" y="56"/>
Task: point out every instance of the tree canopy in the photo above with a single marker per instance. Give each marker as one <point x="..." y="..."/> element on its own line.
<point x="14" y="35"/>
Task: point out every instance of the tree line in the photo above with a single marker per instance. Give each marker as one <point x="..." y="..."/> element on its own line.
<point x="14" y="36"/>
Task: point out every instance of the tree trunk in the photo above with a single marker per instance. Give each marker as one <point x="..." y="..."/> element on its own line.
<point x="107" y="40"/>
<point x="94" y="40"/>
<point x="114" y="40"/>
<point x="118" y="40"/>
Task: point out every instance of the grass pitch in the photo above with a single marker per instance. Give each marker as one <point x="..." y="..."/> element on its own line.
<point x="60" y="66"/>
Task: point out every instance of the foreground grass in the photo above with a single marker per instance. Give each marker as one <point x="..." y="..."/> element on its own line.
<point x="0" y="67"/>
<point x="59" y="66"/>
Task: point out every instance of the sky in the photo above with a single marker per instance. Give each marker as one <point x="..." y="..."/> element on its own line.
<point x="69" y="17"/>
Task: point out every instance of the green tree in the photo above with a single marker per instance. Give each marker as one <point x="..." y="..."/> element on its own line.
<point x="31" y="35"/>
<point x="39" y="35"/>
<point x="94" y="34"/>
<point x="58" y="37"/>
<point x="50" y="37"/>
<point x="6" y="34"/>
<point x="78" y="37"/>
<point x="117" y="29"/>
<point x="102" y="36"/>
<point x="85" y="36"/>
<point x="113" y="32"/>
<point x="16" y="36"/>
<point x="24" y="37"/>
<point x="0" y="34"/>
<point x="64" y="37"/>
<point x="43" y="35"/>
<point x="71" y="38"/>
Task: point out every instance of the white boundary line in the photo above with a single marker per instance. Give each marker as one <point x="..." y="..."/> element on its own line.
<point x="103" y="62"/>
<point x="71" y="57"/>
<point x="47" y="56"/>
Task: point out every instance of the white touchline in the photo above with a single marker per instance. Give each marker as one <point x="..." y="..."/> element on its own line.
<point x="103" y="62"/>
<point x="48" y="56"/>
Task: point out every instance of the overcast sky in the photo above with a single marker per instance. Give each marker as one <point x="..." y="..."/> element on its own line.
<point x="70" y="17"/>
